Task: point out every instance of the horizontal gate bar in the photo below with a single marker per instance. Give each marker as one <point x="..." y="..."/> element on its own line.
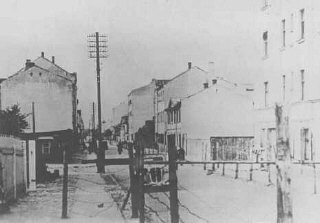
<point x="156" y="188"/>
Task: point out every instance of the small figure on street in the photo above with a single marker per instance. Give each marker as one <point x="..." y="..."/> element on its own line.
<point x="119" y="145"/>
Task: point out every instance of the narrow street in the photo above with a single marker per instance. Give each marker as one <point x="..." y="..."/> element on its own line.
<point x="215" y="198"/>
<point x="98" y="198"/>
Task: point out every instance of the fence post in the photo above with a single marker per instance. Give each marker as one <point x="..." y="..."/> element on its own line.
<point x="251" y="170"/>
<point x="269" y="174"/>
<point x="65" y="186"/>
<point x="284" y="199"/>
<point x="237" y="171"/>
<point x="14" y="172"/>
<point x="133" y="182"/>
<point x="315" y="179"/>
<point x="140" y="154"/>
<point x="223" y="165"/>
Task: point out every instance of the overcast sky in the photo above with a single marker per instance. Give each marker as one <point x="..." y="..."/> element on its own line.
<point x="147" y="39"/>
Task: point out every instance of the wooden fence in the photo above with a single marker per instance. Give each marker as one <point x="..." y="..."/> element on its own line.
<point x="12" y="168"/>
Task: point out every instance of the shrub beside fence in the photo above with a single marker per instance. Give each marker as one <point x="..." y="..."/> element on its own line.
<point x="12" y="168"/>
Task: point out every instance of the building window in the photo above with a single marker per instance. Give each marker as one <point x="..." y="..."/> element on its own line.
<point x="46" y="148"/>
<point x="266" y="92"/>
<point x="302" y="84"/>
<point x="291" y="22"/>
<point x="302" y="23"/>
<point x="265" y="41"/>
<point x="283" y="33"/>
<point x="306" y="145"/>
<point x="283" y="87"/>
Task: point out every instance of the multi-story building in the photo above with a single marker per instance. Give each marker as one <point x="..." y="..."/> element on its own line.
<point x="52" y="91"/>
<point x="167" y="101"/>
<point x="217" y="122"/>
<point x="290" y="43"/>
<point x="141" y="106"/>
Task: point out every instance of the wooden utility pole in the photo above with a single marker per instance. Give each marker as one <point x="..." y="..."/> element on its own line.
<point x="97" y="49"/>
<point x="284" y="199"/>
<point x="65" y="185"/>
<point x="173" y="181"/>
<point x="93" y="138"/>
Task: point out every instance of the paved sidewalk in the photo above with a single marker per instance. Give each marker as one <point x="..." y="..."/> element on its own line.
<point x="89" y="199"/>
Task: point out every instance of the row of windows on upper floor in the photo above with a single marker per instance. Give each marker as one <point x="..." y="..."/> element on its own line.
<point x="174" y="116"/>
<point x="301" y="35"/>
<point x="284" y="88"/>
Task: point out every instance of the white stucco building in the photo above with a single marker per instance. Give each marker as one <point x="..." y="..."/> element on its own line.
<point x="182" y="85"/>
<point x="52" y="90"/>
<point x="290" y="44"/>
<point x="140" y="107"/>
<point x="219" y="115"/>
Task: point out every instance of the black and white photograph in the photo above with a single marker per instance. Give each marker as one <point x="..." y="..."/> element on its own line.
<point x="159" y="111"/>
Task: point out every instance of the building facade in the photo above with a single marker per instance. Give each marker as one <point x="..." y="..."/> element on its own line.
<point x="49" y="92"/>
<point x="140" y="107"/>
<point x="217" y="123"/>
<point x="290" y="44"/>
<point x="167" y="100"/>
<point x="119" y="111"/>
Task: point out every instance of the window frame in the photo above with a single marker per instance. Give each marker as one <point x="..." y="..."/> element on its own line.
<point x="265" y="43"/>
<point x="302" y="23"/>
<point x="283" y="22"/>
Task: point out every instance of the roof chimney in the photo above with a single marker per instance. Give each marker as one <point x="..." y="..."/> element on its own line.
<point x="42" y="54"/>
<point x="29" y="64"/>
<point x="52" y="59"/>
<point x="214" y="81"/>
<point x="189" y="65"/>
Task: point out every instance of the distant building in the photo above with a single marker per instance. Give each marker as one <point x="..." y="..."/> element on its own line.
<point x="53" y="91"/>
<point x="119" y="111"/>
<point x="290" y="44"/>
<point x="216" y="123"/>
<point x="80" y="128"/>
<point x="167" y="99"/>
<point x="141" y="106"/>
<point x="124" y="134"/>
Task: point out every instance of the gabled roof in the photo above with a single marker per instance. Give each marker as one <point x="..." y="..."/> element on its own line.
<point x="143" y="87"/>
<point x="192" y="68"/>
<point x="46" y="65"/>
<point x="22" y="70"/>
